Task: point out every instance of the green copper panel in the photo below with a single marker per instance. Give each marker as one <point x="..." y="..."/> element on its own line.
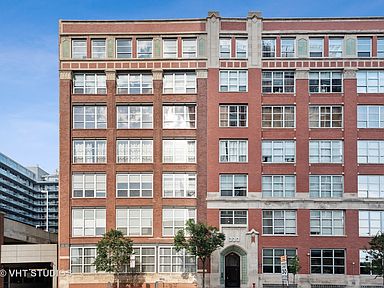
<point x="65" y="48"/>
<point x="202" y="46"/>
<point x="110" y="48"/>
<point x="302" y="47"/>
<point x="350" y="47"/>
<point x="156" y="48"/>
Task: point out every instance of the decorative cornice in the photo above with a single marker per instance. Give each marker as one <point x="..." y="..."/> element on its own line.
<point x="350" y="73"/>
<point x="157" y="74"/>
<point x="65" y="75"/>
<point x="202" y="73"/>
<point x="110" y="75"/>
<point x="302" y="74"/>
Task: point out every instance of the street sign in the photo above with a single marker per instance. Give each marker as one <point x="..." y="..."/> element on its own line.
<point x="132" y="262"/>
<point x="284" y="270"/>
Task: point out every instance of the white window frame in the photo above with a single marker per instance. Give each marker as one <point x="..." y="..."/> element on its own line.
<point x="322" y="217"/>
<point x="173" y="120"/>
<point x="285" y="228"/>
<point x="380" y="47"/>
<point x="274" y="192"/>
<point x="234" y="189"/>
<point x="99" y="151"/>
<point x="129" y="46"/>
<point x="189" y="182"/>
<point x="139" y="263"/>
<point x="129" y="220"/>
<point x="170" y="52"/>
<point x="186" y="216"/>
<point x="276" y="259"/>
<point x="176" y="145"/>
<point x="128" y="184"/>
<point x="274" y="113"/>
<point x="98" y="115"/>
<point x="141" y="54"/>
<point x="336" y="53"/>
<point x="370" y="81"/>
<point x="228" y="115"/>
<point x="370" y="186"/>
<point x="177" y="256"/>
<point x="314" y="48"/>
<point x="98" y="81"/>
<point x="127" y="82"/>
<point x="102" y="54"/>
<point x="99" y="184"/>
<point x="268" y="53"/>
<point x="367" y="117"/>
<point x="145" y="156"/>
<point x="233" y="145"/>
<point x="189" y="54"/>
<point x="82" y="257"/>
<point x="238" y="75"/>
<point x="333" y="261"/>
<point x="365" y="258"/>
<point x="131" y="114"/>
<point x="366" y="157"/>
<point x="364" y="50"/>
<point x="239" y="53"/>
<point x="320" y="147"/>
<point x="288" y="54"/>
<point x="325" y="80"/>
<point x="322" y="184"/>
<point x="233" y="218"/>
<point x="367" y="221"/>
<point x="170" y="80"/>
<point x="323" y="112"/>
<point x="269" y="76"/>
<point x="83" y="224"/>
<point x="83" y="53"/>
<point x="225" y="42"/>
<point x="273" y="144"/>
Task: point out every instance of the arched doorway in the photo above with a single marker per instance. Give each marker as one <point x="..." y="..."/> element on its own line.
<point x="232" y="270"/>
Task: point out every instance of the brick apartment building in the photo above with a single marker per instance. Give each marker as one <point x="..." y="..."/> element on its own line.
<point x="271" y="129"/>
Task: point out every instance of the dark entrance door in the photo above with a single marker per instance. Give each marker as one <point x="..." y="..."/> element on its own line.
<point x="232" y="270"/>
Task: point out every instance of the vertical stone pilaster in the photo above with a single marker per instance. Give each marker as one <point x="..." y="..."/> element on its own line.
<point x="213" y="32"/>
<point x="254" y="26"/>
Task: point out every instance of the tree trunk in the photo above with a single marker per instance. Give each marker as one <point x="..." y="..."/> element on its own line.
<point x="203" y="260"/>
<point x="118" y="281"/>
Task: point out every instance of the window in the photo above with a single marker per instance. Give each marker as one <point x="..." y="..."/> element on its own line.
<point x="233" y="80"/>
<point x="82" y="259"/>
<point x="144" y="48"/>
<point x="225" y="48"/>
<point x="134" y="221"/>
<point x="380" y="47"/>
<point x="179" y="151"/>
<point x="233" y="217"/>
<point x="179" y="82"/>
<point x="326" y="151"/>
<point x="327" y="222"/>
<point x="325" y="186"/>
<point x="278" y="116"/>
<point x="268" y="47"/>
<point x="316" y="46"/>
<point x="278" y="151"/>
<point x="327" y="261"/>
<point x="367" y="264"/>
<point x="190" y="48"/>
<point x="134" y="151"/>
<point x="279" y="222"/>
<point x="89" y="185"/>
<point x="278" y="82"/>
<point x="174" y="219"/>
<point x="364" y="46"/>
<point x="171" y="261"/>
<point x="233" y="150"/>
<point x="145" y="260"/>
<point x="134" y="117"/>
<point x="370" y="152"/>
<point x="233" y="115"/>
<point x="279" y="186"/>
<point x="325" y="116"/>
<point x="336" y="47"/>
<point x="288" y="47"/>
<point x="123" y="48"/>
<point x="179" y="117"/>
<point x="179" y="185"/>
<point x="79" y="48"/>
<point x="89" y="83"/>
<point x="89" y="151"/>
<point x="88" y="222"/>
<point x="325" y="82"/>
<point x="134" y="83"/>
<point x="370" y="116"/>
<point x="89" y="117"/>
<point x="233" y="185"/>
<point x="169" y="48"/>
<point x="134" y="185"/>
<point x="371" y="186"/>
<point x="241" y="48"/>
<point x="98" y="48"/>
<point x="271" y="258"/>
<point x="370" y="81"/>
<point x="370" y="223"/>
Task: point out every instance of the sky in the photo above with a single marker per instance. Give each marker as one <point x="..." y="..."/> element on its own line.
<point x="29" y="55"/>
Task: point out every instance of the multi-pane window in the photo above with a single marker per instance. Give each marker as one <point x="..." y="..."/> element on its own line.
<point x="271" y="258"/>
<point x="189" y="48"/>
<point x="169" y="48"/>
<point x="79" y="48"/>
<point x="134" y="117"/>
<point x="233" y="150"/>
<point x="225" y="47"/>
<point x="268" y="47"/>
<point x="89" y="151"/>
<point x="325" y="151"/>
<point x="89" y="83"/>
<point x="179" y="82"/>
<point x="279" y="222"/>
<point x="171" y="261"/>
<point x="87" y="185"/>
<point x="371" y="223"/>
<point x="370" y="116"/>
<point x="367" y="264"/>
<point x="277" y="151"/>
<point x="123" y="48"/>
<point x="233" y="115"/>
<point x="370" y="81"/>
<point x="179" y="116"/>
<point x="98" y="48"/>
<point x="134" y="221"/>
<point x="278" y="116"/>
<point x="233" y="185"/>
<point x="370" y="151"/>
<point x="380" y="47"/>
<point x="89" y="117"/>
<point x="82" y="259"/>
<point x="325" y="116"/>
<point x="288" y="47"/>
<point x="241" y="48"/>
<point x="174" y="219"/>
<point x="316" y="47"/>
<point x="134" y="185"/>
<point x="327" y="222"/>
<point x="325" y="81"/>
<point x="233" y="80"/>
<point x="325" y="186"/>
<point x="233" y="217"/>
<point x="278" y="82"/>
<point x="134" y="83"/>
<point x="279" y="186"/>
<point x="134" y="151"/>
<point x="327" y="261"/>
<point x="88" y="222"/>
<point x="364" y="46"/>
<point x="145" y="260"/>
<point x="179" y="151"/>
<point x="179" y="185"/>
<point x="144" y="48"/>
<point x="336" y="47"/>
<point x="370" y="186"/>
